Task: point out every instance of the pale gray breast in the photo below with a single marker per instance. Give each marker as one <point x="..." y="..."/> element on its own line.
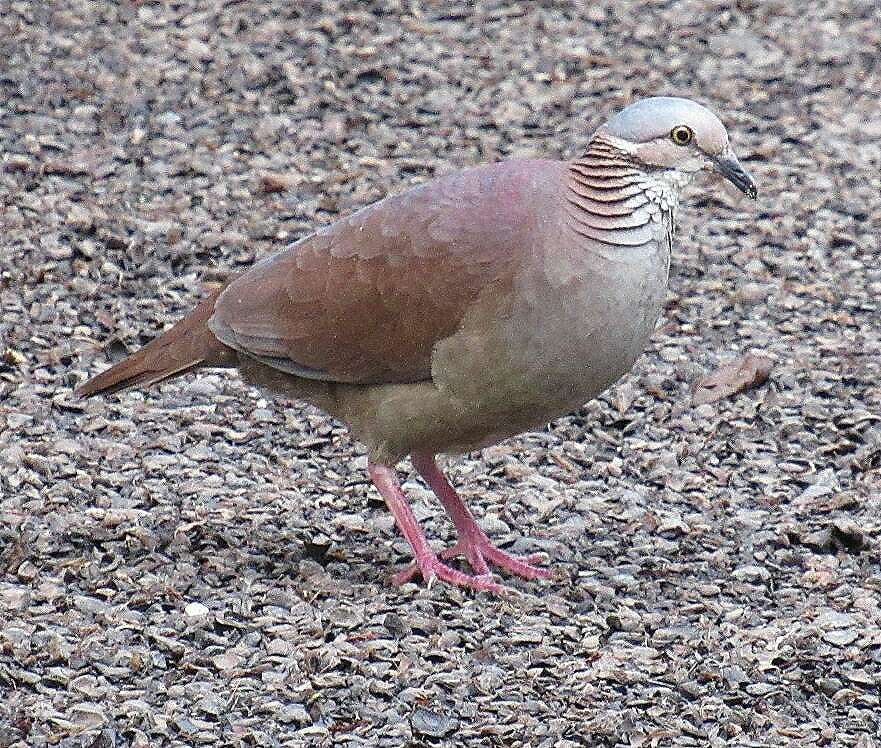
<point x="592" y="317"/>
<point x="582" y="310"/>
<point x="591" y="310"/>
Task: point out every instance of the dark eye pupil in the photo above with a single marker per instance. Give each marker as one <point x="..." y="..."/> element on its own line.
<point x="682" y="135"/>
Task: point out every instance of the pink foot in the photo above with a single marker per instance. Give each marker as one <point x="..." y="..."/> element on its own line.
<point x="432" y="567"/>
<point x="473" y="543"/>
<point x="487" y="553"/>
<point x="519" y="565"/>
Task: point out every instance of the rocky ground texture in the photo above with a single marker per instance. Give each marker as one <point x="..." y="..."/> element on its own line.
<point x="195" y="565"/>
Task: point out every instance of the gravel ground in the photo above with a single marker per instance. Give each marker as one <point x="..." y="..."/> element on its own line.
<point x="195" y="565"/>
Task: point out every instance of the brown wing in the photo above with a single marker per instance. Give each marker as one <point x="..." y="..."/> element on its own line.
<point x="366" y="299"/>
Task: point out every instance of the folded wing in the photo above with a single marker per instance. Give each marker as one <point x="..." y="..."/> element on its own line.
<point x="366" y="299"/>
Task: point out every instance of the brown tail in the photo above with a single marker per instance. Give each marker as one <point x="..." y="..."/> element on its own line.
<point x="186" y="346"/>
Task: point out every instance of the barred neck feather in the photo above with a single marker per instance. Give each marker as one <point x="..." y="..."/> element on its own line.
<point x="612" y="199"/>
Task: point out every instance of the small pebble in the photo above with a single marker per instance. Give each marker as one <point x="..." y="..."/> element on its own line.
<point x="196" y="610"/>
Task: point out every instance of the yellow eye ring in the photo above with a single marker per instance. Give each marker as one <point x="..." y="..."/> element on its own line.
<point x="681" y="135"/>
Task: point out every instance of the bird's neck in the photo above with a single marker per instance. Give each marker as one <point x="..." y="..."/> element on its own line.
<point x="614" y="200"/>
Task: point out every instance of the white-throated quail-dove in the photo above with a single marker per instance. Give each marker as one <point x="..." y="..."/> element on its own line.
<point x="464" y="311"/>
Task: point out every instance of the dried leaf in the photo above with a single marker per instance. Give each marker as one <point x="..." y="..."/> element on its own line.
<point x="744" y="374"/>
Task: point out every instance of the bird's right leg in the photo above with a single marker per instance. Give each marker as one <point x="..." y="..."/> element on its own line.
<point x="427" y="561"/>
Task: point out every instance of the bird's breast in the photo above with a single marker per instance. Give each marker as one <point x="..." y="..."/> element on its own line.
<point x="593" y="323"/>
<point x="577" y="316"/>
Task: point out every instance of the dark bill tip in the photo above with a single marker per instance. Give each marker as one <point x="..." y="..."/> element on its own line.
<point x="730" y="168"/>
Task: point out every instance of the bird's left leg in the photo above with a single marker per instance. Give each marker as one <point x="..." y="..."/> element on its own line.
<point x="427" y="562"/>
<point x="472" y="541"/>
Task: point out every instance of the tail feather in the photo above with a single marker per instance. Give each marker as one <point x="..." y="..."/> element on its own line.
<point x="188" y="345"/>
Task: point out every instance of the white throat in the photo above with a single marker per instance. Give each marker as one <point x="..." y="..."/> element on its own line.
<point x="664" y="188"/>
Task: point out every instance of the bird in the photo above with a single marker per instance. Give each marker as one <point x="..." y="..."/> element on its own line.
<point x="461" y="312"/>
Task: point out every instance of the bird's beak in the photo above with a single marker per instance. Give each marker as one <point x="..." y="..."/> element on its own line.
<point x="729" y="167"/>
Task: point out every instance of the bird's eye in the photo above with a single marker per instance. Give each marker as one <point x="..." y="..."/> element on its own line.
<point x="681" y="135"/>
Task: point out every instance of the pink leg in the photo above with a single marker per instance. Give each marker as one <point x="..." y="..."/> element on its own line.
<point x="427" y="562"/>
<point x="472" y="541"/>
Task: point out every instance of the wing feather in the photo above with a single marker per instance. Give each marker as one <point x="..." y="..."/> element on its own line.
<point x="366" y="299"/>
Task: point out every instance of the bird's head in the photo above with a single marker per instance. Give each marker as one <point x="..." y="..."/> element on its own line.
<point x="667" y="133"/>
